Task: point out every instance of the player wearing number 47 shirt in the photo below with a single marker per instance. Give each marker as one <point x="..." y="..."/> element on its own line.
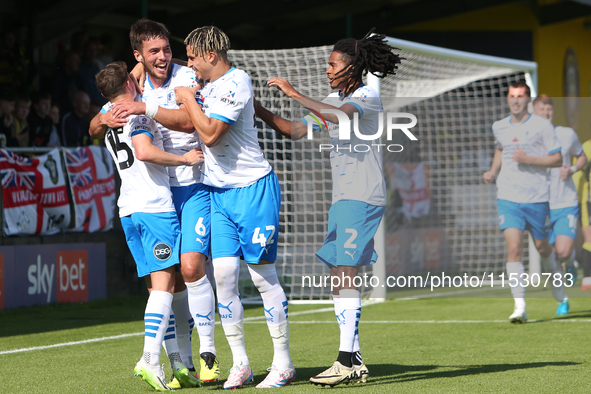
<point x="148" y="219"/>
<point x="245" y="201"/>
<point x="526" y="146"/>
<point x="195" y="303"/>
<point x="359" y="189"/>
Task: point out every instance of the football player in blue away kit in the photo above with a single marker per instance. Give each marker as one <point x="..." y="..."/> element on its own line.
<point x="149" y="221"/>
<point x="564" y="202"/>
<point x="240" y="178"/>
<point x="526" y="146"/>
<point x="193" y="304"/>
<point x="359" y="189"/>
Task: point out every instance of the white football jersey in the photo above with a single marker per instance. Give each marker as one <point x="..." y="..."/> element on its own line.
<point x="563" y="193"/>
<point x="237" y="160"/>
<point x="175" y="142"/>
<point x="144" y="186"/>
<point x="524" y="183"/>
<point x="356" y="175"/>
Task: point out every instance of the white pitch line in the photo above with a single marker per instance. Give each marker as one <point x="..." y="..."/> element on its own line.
<point x="28" y="349"/>
<point x="246" y="320"/>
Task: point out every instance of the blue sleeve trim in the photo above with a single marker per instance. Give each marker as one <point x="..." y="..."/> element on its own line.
<point x="103" y="111"/>
<point x="580" y="153"/>
<point x="142" y="132"/>
<point x="356" y="106"/>
<point x="222" y="118"/>
<point x="554" y="151"/>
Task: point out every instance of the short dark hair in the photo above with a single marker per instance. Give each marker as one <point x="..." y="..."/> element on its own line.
<point x="22" y="97"/>
<point x="520" y="84"/>
<point x="110" y="81"/>
<point x="145" y="29"/>
<point x="545" y="99"/>
<point x="40" y="96"/>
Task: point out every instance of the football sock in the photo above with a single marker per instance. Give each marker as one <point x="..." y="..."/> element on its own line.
<point x="350" y="306"/>
<point x="586" y="257"/>
<point x="357" y="359"/>
<point x="549" y="265"/>
<point x="226" y="272"/>
<point x="275" y="307"/>
<point x="345" y="358"/>
<point x="184" y="326"/>
<point x="156" y="318"/>
<point x="517" y="291"/>
<point x="202" y="306"/>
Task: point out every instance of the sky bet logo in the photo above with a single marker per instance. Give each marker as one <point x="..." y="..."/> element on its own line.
<point x="70" y="278"/>
<point x="345" y="129"/>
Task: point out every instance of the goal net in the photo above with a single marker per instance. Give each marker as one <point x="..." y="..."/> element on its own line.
<point x="456" y="96"/>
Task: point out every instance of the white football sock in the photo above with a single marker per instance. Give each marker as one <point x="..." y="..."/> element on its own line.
<point x="156" y="318"/>
<point x="517" y="291"/>
<point x="184" y="327"/>
<point x="350" y="305"/>
<point x="202" y="306"/>
<point x="264" y="277"/>
<point x="549" y="265"/>
<point x="226" y="272"/>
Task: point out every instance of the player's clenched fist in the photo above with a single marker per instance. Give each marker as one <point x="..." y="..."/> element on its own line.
<point x="489" y="177"/>
<point x="184" y="94"/>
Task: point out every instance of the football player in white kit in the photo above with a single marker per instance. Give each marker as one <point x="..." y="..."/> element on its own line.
<point x="149" y="41"/>
<point x="245" y="199"/>
<point x="149" y="221"/>
<point x="564" y="202"/>
<point x="359" y="189"/>
<point x="526" y="146"/>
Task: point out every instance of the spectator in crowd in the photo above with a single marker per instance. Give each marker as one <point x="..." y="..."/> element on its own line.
<point x="6" y="114"/>
<point x="106" y="53"/>
<point x="88" y="69"/>
<point x="67" y="82"/>
<point x="7" y="59"/>
<point x="54" y="114"/>
<point x="20" y="126"/>
<point x="74" y="124"/>
<point x="40" y="123"/>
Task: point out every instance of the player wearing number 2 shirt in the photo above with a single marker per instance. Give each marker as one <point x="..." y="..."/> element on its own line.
<point x="245" y="201"/>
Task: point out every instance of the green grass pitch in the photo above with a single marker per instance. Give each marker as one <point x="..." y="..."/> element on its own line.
<point x="434" y="345"/>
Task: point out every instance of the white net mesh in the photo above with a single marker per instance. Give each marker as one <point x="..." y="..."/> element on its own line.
<point x="452" y="109"/>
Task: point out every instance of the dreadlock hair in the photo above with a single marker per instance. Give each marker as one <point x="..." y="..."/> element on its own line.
<point x="208" y="39"/>
<point x="370" y="54"/>
<point x="144" y="30"/>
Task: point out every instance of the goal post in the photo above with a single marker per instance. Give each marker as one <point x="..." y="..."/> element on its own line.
<point x="430" y="79"/>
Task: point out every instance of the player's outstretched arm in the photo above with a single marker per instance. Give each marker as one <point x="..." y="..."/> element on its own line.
<point x="307" y="102"/>
<point x="553" y="160"/>
<point x="146" y="151"/>
<point x="293" y="130"/>
<point x="489" y="176"/>
<point x="102" y="121"/>
<point x="566" y="171"/>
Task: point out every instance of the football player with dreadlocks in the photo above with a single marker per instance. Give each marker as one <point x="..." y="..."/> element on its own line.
<point x="359" y="189"/>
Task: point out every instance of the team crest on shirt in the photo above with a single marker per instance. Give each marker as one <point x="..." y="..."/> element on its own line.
<point x="143" y="120"/>
<point x="162" y="251"/>
<point x="171" y="98"/>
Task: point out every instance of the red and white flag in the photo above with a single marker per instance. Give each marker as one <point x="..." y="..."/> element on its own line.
<point x="34" y="194"/>
<point x="92" y="183"/>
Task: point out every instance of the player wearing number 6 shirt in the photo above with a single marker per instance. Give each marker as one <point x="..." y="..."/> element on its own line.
<point x="151" y="46"/>
<point x="245" y="201"/>
<point x="149" y="220"/>
<point x="564" y="203"/>
<point x="359" y="190"/>
<point x="526" y="146"/>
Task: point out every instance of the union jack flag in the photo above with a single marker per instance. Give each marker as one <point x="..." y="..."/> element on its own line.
<point x="11" y="157"/>
<point x="76" y="157"/>
<point x="12" y="178"/>
<point x="82" y="178"/>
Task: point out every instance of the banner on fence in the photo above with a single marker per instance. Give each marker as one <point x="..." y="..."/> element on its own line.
<point x="92" y="183"/>
<point x="34" y="194"/>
